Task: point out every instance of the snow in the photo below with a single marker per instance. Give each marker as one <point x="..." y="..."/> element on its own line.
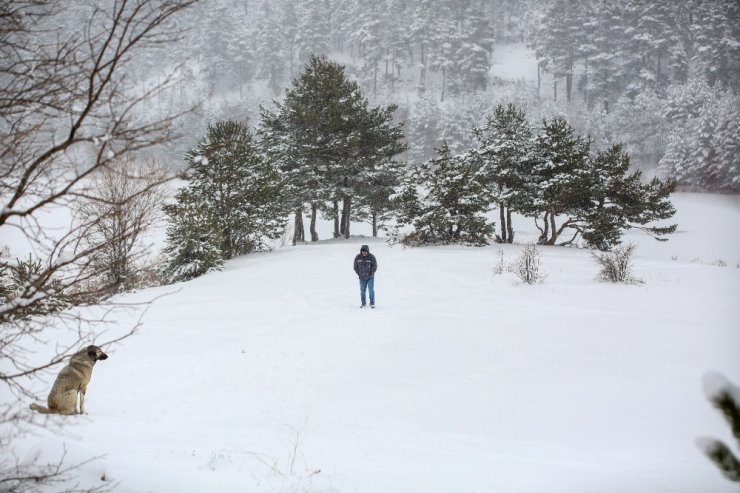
<point x="268" y="376"/>
<point x="514" y="62"/>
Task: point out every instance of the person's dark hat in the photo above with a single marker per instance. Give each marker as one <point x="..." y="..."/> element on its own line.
<point x="364" y="248"/>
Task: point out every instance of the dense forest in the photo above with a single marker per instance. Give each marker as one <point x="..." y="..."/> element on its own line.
<point x="660" y="77"/>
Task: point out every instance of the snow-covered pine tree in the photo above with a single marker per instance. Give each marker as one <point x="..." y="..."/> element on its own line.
<point x="452" y="204"/>
<point x="503" y="147"/>
<point x="476" y="48"/>
<point x="370" y="37"/>
<point x="656" y="30"/>
<point x="289" y="26"/>
<point x="423" y="128"/>
<point x="271" y="47"/>
<point x="716" y="35"/>
<point x="426" y="24"/>
<point x="726" y="398"/>
<point x="727" y="145"/>
<point x="558" y="38"/>
<point x="194" y="240"/>
<point x="399" y="40"/>
<point x="240" y="187"/>
<point x="619" y="201"/>
<point x="312" y="37"/>
<point x="444" y="57"/>
<point x="558" y="172"/>
<point x="674" y="162"/>
<point x="602" y="51"/>
<point x="327" y="141"/>
<point x="374" y="203"/>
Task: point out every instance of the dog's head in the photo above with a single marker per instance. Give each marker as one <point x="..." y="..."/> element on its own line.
<point x="95" y="353"/>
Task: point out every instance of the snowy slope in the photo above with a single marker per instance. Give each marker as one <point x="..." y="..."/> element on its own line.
<point x="269" y="377"/>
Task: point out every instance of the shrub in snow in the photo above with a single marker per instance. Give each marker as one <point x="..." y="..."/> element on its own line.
<point x="616" y="265"/>
<point x="499" y="267"/>
<point x="527" y="265"/>
<point x="726" y="398"/>
<point x="23" y="286"/>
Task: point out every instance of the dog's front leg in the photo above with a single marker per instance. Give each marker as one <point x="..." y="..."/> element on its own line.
<point x="82" y="401"/>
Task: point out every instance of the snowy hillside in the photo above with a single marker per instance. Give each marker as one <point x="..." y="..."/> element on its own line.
<point x="269" y="377"/>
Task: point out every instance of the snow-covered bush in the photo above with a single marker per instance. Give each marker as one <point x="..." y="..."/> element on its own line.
<point x="527" y="265"/>
<point x="616" y="265"/>
<point x="21" y="285"/>
<point x="499" y="267"/>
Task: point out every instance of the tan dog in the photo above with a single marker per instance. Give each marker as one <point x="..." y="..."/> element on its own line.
<point x="71" y="383"/>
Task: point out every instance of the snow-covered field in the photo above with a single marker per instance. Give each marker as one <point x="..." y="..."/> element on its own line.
<point x="269" y="377"/>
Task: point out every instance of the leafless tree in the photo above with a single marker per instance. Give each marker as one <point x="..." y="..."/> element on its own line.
<point x="123" y="204"/>
<point x="68" y="115"/>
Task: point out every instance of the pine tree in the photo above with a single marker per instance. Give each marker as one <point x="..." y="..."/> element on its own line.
<point x="504" y="147"/>
<point x="312" y="37"/>
<point x="727" y="145"/>
<point x="619" y="201"/>
<point x="239" y="186"/>
<point x="557" y="170"/>
<point x="423" y="129"/>
<point x="474" y="53"/>
<point x="558" y="38"/>
<point x="716" y="34"/>
<point x="271" y="47"/>
<point x="194" y="240"/>
<point x="452" y="207"/>
<point x="726" y="398"/>
<point x="327" y="140"/>
<point x="675" y="160"/>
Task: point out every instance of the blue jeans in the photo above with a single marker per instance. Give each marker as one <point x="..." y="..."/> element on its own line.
<point x="367" y="284"/>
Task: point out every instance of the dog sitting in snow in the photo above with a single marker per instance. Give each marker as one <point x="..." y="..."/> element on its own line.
<point x="71" y="383"/>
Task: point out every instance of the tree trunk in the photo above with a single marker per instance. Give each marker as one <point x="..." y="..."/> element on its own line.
<point x="552" y="227"/>
<point x="502" y="217"/>
<point x="539" y="80"/>
<point x="346" y="209"/>
<point x="422" y="72"/>
<point x="569" y="85"/>
<point x="336" y="219"/>
<point x="509" y="229"/>
<point x="375" y="80"/>
<point x="444" y="81"/>
<point x="298" y="233"/>
<point x="375" y="224"/>
<point x="314" y="234"/>
<point x="546" y="231"/>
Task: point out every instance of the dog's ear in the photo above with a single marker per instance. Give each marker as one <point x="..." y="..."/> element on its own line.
<point x="92" y="352"/>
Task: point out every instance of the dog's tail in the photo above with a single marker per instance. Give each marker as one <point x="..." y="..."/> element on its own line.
<point x="40" y="409"/>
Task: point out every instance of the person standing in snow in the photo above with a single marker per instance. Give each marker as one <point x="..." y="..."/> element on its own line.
<point x="365" y="267"/>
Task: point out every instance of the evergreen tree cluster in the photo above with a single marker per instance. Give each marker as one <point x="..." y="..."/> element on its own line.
<point x="322" y="145"/>
<point x="703" y="150"/>
<point x="232" y="203"/>
<point x="333" y="147"/>
<point x="550" y="174"/>
<point x="615" y="67"/>
<point x="609" y="49"/>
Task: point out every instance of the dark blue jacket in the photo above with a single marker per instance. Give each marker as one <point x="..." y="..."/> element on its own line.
<point x="365" y="267"/>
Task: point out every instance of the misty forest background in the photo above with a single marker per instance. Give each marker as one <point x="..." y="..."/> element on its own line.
<point x="661" y="76"/>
